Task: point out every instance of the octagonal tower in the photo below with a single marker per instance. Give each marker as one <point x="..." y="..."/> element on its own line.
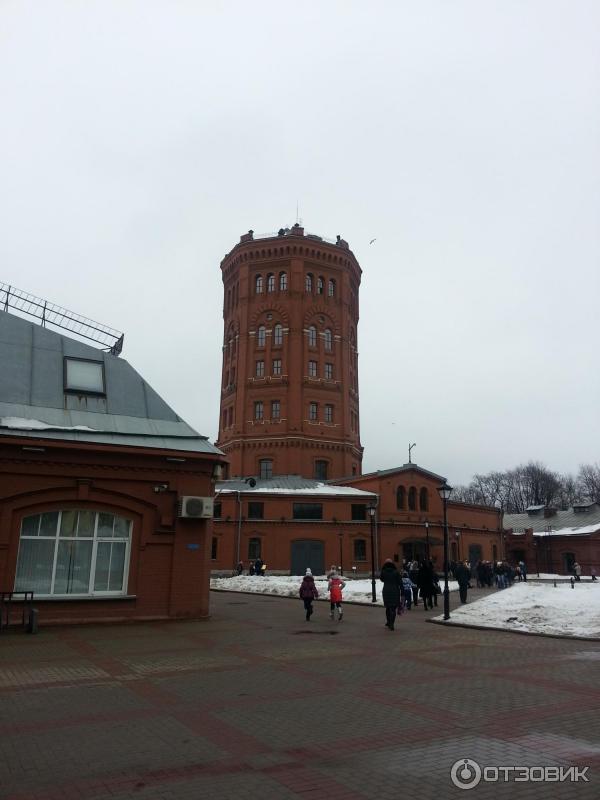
<point x="289" y="392"/>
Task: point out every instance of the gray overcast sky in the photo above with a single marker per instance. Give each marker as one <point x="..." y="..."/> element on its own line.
<point x="140" y="139"/>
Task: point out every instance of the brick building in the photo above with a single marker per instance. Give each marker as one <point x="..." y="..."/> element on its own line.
<point x="552" y="540"/>
<point x="92" y="464"/>
<point x="290" y="419"/>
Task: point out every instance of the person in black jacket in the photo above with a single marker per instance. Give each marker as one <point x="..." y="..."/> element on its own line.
<point x="426" y="585"/>
<point x="463" y="575"/>
<point x="392" y="591"/>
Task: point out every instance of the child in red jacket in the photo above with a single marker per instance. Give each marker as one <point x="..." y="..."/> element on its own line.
<point x="335" y="586"/>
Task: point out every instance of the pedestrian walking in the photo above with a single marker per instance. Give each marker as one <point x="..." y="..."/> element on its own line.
<point x="577" y="571"/>
<point x="462" y="575"/>
<point x="392" y="591"/>
<point x="335" y="586"/>
<point x="308" y="593"/>
<point x="258" y="566"/>
<point x="408" y="587"/>
<point x="240" y="567"/>
<point x="425" y="584"/>
<point x="593" y="572"/>
<point x="413" y="574"/>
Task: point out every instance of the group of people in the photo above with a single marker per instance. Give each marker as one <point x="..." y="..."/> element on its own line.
<point x="335" y="586"/>
<point x="399" y="591"/>
<point x="257" y="567"/>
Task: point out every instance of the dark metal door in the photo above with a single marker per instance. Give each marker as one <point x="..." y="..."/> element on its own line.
<point x="307" y="553"/>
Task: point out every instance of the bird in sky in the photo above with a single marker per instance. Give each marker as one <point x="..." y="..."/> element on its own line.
<point x="373" y="240"/>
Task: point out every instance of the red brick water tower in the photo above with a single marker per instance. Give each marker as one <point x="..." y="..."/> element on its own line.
<point x="289" y="395"/>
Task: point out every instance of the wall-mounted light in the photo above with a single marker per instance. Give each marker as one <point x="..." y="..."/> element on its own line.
<point x="178" y="460"/>
<point x="34" y="449"/>
<point x="161" y="487"/>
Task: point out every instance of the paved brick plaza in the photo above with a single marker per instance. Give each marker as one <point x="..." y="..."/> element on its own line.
<point x="258" y="703"/>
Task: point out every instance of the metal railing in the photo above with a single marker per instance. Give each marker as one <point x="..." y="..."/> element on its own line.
<point x="29" y="305"/>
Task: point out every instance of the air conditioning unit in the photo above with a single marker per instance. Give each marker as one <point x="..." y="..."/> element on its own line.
<point x="195" y="507"/>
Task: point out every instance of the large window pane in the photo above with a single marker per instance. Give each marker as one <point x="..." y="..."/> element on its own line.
<point x="105" y="526"/>
<point x="30" y="526"/>
<point x="49" y="524"/>
<point x="68" y="523"/>
<point x="87" y="520"/>
<point x="121" y="528"/>
<point x="73" y="562"/>
<point x="34" y="566"/>
<point x="110" y="563"/>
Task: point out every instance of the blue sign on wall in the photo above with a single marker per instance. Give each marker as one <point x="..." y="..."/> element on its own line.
<point x="193" y="546"/>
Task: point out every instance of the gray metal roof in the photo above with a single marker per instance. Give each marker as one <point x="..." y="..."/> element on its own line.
<point x="560" y="520"/>
<point x="383" y="473"/>
<point x="33" y="402"/>
<point x="291" y="484"/>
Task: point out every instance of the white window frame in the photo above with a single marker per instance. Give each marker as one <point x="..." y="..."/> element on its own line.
<point x="95" y="539"/>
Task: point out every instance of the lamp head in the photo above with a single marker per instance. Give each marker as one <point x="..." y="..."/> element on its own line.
<point x="445" y="491"/>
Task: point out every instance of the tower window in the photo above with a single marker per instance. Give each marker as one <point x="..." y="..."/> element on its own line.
<point x="258" y="284"/>
<point x="258" y="410"/>
<point x="313" y="411"/>
<point x="312" y="336"/>
<point x="260" y="369"/>
<point x="262" y="336"/>
<point x="320" y="285"/>
<point x="328" y="413"/>
<point x="275" y="409"/>
<point x="276" y="366"/>
<point x="266" y="468"/>
<point x="331" y="288"/>
<point x="278" y="335"/>
<point x="270" y="283"/>
<point x="424" y="499"/>
<point x="329" y="372"/>
<point x="312" y="369"/>
<point x="321" y="470"/>
<point x="282" y="281"/>
<point x="328" y="340"/>
<point x="308" y="282"/>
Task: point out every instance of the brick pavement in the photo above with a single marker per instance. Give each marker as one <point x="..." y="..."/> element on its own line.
<point x="256" y="702"/>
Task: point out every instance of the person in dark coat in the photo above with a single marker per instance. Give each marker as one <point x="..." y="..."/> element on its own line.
<point x="392" y="591"/>
<point x="413" y="574"/>
<point x="258" y="566"/>
<point x="462" y="575"/>
<point x="308" y="593"/>
<point x="426" y="584"/>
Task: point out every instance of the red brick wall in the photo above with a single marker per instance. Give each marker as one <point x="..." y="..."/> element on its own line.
<point x="166" y="577"/>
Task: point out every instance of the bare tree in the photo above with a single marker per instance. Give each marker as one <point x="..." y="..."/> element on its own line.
<point x="588" y="481"/>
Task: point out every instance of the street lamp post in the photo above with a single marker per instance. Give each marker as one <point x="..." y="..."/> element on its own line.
<point x="445" y="491"/>
<point x="341" y="535"/>
<point x="372" y="511"/>
<point x="427" y="540"/>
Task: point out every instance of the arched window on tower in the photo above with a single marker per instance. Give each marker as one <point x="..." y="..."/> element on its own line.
<point x="424" y="499"/>
<point x="400" y="498"/>
<point x="270" y="282"/>
<point x="328" y="340"/>
<point x="258" y="284"/>
<point x="262" y="336"/>
<point x="283" y="281"/>
<point x="412" y="499"/>
<point x="308" y="282"/>
<point x="312" y="336"/>
<point x="278" y="335"/>
<point x="331" y="288"/>
<point x="320" y="285"/>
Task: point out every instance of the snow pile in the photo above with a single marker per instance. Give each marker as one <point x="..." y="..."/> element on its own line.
<point x="22" y="424"/>
<point x="356" y="591"/>
<point x="537" y="608"/>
